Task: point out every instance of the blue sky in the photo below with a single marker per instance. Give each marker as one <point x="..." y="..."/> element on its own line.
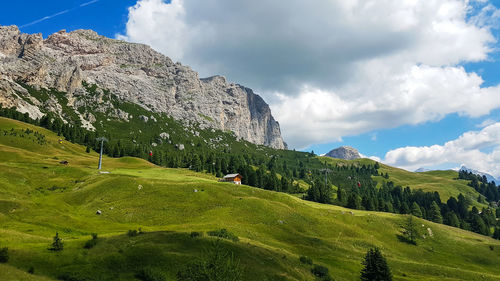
<point x="377" y="143"/>
<point x="285" y="84"/>
<point x="107" y="17"/>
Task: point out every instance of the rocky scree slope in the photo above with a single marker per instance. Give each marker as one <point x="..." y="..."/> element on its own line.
<point x="134" y="73"/>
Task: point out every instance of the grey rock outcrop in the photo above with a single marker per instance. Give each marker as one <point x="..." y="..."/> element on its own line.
<point x="344" y="152"/>
<point x="133" y="73"/>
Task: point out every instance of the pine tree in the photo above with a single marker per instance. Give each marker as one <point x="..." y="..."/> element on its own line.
<point x="452" y="204"/>
<point x="478" y="225"/>
<point x="389" y="207"/>
<point x="375" y="267"/>
<point x="435" y="213"/>
<point x="410" y="231"/>
<point x="496" y="234"/>
<point x="196" y="163"/>
<point x="452" y="219"/>
<point x="404" y="208"/>
<point x="415" y="210"/>
<point x="284" y="184"/>
<point x="463" y="206"/>
<point x="340" y="196"/>
<point x="57" y="244"/>
<point x="354" y="202"/>
<point x="252" y="177"/>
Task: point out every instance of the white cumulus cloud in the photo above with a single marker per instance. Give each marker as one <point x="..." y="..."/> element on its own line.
<point x="469" y="150"/>
<point x="333" y="68"/>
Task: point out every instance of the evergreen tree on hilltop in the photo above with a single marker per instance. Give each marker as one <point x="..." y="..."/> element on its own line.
<point x="478" y="225"/>
<point x="452" y="219"/>
<point x="341" y="196"/>
<point x="318" y="192"/>
<point x="415" y="210"/>
<point x="410" y="231"/>
<point x="354" y="201"/>
<point x="375" y="267"/>
<point x="435" y="213"/>
<point x="463" y="205"/>
<point x="404" y="208"/>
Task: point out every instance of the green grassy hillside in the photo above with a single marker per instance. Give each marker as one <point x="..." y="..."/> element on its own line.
<point x="446" y="183"/>
<point x="39" y="197"/>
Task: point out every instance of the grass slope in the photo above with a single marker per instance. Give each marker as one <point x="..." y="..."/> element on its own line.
<point x="39" y="196"/>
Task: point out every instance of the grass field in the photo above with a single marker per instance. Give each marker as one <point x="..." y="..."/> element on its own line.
<point x="39" y="197"/>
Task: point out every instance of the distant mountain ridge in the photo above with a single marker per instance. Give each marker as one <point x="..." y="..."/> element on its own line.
<point x="344" y="152"/>
<point x="422" y="170"/>
<point x="86" y="69"/>
<point x="489" y="177"/>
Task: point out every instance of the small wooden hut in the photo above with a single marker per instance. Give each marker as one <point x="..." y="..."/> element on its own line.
<point x="234" y="178"/>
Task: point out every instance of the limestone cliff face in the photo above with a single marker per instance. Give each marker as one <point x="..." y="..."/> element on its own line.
<point x="133" y="73"/>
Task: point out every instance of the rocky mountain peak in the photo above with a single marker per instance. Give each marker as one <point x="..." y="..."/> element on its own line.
<point x="344" y="152"/>
<point x="489" y="177"/>
<point x="132" y="73"/>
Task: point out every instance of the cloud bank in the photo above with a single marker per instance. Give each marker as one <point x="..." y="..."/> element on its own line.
<point x="469" y="150"/>
<point x="333" y="68"/>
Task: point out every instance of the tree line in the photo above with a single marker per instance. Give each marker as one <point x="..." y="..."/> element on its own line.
<point x="489" y="190"/>
<point x="282" y="171"/>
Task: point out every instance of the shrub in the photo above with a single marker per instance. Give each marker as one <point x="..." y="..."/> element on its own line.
<point x="151" y="274"/>
<point x="132" y="232"/>
<point x="92" y="242"/>
<point x="71" y="276"/>
<point x="306" y="260"/>
<point x="4" y="255"/>
<point x="218" y="264"/>
<point x="224" y="233"/>
<point x="195" y="234"/>
<point x="321" y="272"/>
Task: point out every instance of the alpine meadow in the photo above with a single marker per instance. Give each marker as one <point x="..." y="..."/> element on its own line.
<point x="368" y="148"/>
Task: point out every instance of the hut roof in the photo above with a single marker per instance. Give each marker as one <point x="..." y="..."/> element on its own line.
<point x="231" y="176"/>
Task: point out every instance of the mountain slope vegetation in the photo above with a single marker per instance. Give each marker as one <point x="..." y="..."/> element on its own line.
<point x="154" y="217"/>
<point x="446" y="183"/>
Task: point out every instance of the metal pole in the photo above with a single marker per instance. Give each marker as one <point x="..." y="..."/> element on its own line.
<point x="100" y="155"/>
<point x="326" y="174"/>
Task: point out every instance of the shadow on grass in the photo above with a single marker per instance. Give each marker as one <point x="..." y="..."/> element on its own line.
<point x="401" y="238"/>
